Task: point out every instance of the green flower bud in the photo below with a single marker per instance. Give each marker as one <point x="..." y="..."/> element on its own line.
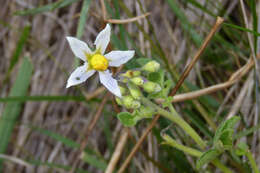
<point x="137" y="81"/>
<point x="151" y="66"/>
<point x="119" y="101"/>
<point x="146" y="112"/>
<point x="151" y="87"/>
<point x="128" y="73"/>
<point x="136" y="104"/>
<point x="136" y="73"/>
<point x="124" y="79"/>
<point x="122" y="90"/>
<point x="130" y="103"/>
<point x="134" y="91"/>
<point x="131" y="73"/>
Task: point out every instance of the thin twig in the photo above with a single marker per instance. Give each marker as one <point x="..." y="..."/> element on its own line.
<point x="235" y="77"/>
<point x="197" y="55"/>
<point x="137" y="145"/>
<point x="104" y="11"/>
<point x="122" y="21"/>
<point x="117" y="153"/>
<point x="173" y="92"/>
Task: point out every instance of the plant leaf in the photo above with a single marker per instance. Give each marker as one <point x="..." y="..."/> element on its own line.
<point x="225" y="132"/>
<point x="126" y="119"/>
<point x="207" y="157"/>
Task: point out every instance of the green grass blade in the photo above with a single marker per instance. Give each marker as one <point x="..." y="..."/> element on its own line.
<point x="185" y="22"/>
<point x="55" y="166"/>
<point x="45" y="8"/>
<point x="199" y="6"/>
<point x="18" y="51"/>
<point x="242" y="28"/>
<point x="22" y="40"/>
<point x="255" y="23"/>
<point x="13" y="109"/>
<point x="83" y="18"/>
<point x="66" y="141"/>
<point x="94" y="161"/>
<point x="82" y="23"/>
<point x="45" y="98"/>
<point x="89" y="156"/>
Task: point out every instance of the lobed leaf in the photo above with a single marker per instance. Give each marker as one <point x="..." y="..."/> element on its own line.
<point x="126" y="119"/>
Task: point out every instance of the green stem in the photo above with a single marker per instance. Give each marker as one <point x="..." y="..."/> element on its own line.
<point x="175" y="144"/>
<point x="174" y="117"/>
<point x="193" y="152"/>
<point x="222" y="167"/>
<point x="252" y="161"/>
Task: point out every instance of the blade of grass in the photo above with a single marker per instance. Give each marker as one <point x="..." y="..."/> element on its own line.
<point x="82" y="23"/>
<point x="241" y="28"/>
<point x="54" y="166"/>
<point x="45" y="8"/>
<point x="66" y="141"/>
<point x="13" y="109"/>
<point x="17" y="53"/>
<point x="255" y="23"/>
<point x="90" y="157"/>
<point x="185" y="22"/>
<point x="199" y="6"/>
<point x="47" y="98"/>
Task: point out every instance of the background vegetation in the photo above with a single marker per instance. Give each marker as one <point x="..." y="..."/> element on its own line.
<point x="45" y="127"/>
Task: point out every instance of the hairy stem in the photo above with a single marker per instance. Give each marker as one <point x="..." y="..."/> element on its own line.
<point x="174" y="117"/>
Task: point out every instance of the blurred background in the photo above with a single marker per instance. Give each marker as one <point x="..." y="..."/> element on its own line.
<point x="43" y="125"/>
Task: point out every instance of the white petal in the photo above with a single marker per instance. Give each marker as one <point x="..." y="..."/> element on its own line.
<point x="78" y="47"/>
<point x="79" y="75"/>
<point x="103" y="39"/>
<point x="109" y="82"/>
<point x="117" y="58"/>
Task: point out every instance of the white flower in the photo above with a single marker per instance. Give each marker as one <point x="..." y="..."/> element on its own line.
<point x="97" y="61"/>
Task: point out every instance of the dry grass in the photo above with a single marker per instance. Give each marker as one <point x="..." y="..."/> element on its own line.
<point x="53" y="61"/>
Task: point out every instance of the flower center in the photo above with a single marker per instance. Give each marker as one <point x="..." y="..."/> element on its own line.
<point x="99" y="62"/>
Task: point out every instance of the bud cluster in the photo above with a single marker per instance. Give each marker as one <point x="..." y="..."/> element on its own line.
<point x="134" y="85"/>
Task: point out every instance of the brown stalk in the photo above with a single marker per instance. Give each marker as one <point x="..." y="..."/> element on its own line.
<point x="173" y="92"/>
<point x="197" y="55"/>
<point x="137" y="145"/>
<point x="103" y="8"/>
<point x="117" y="153"/>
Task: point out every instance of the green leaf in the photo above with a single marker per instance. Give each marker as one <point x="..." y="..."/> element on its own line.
<point x="157" y="77"/>
<point x="126" y="119"/>
<point x="225" y="132"/>
<point x="13" y="109"/>
<point x="242" y="149"/>
<point x="207" y="157"/>
<point x="45" y="8"/>
<point x="142" y="61"/>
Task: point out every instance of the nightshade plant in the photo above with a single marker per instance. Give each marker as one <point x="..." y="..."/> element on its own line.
<point x="139" y="89"/>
